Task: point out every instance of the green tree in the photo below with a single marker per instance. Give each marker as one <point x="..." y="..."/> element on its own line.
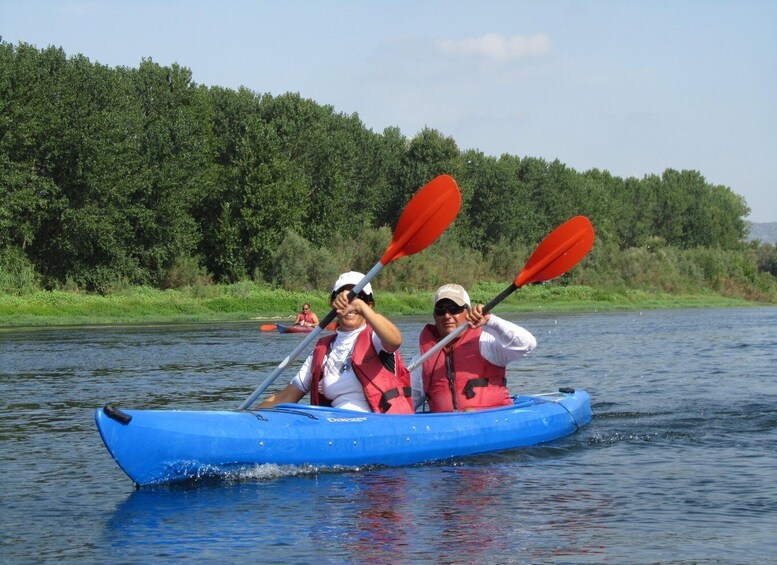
<point x="171" y="124"/>
<point x="388" y="153"/>
<point x="271" y="193"/>
<point x="218" y="196"/>
<point x="633" y="210"/>
<point x="429" y="154"/>
<point x="495" y="208"/>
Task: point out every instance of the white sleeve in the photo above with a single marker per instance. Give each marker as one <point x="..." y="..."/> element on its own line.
<point x="417" y="382"/>
<point x="503" y="342"/>
<point x="304" y="376"/>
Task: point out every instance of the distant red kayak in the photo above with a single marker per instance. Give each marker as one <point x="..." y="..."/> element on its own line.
<point x="284" y="329"/>
<point x="294" y="329"/>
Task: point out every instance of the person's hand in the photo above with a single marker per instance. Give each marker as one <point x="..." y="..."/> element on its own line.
<point x="343" y="307"/>
<point x="476" y="317"/>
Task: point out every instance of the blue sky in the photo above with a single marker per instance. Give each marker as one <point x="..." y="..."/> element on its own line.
<point x="633" y="87"/>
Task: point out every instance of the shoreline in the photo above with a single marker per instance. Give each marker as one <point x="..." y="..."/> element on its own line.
<point x="143" y="306"/>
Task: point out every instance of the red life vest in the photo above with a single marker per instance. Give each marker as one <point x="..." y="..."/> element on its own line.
<point x="305" y="317"/>
<point x="386" y="392"/>
<point x="477" y="383"/>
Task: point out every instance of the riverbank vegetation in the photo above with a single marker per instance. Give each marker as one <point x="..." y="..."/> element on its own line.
<point x="134" y="193"/>
<point x="605" y="280"/>
<point x="252" y="302"/>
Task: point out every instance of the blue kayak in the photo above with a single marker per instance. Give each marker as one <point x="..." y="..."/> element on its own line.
<point x="162" y="446"/>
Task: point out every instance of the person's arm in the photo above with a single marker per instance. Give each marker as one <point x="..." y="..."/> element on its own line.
<point x="298" y="321"/>
<point x="389" y="335"/>
<point x="503" y="342"/>
<point x="289" y="394"/>
<point x="295" y="390"/>
<point x="315" y="318"/>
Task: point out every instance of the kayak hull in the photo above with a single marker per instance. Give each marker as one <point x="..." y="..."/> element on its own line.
<point x="161" y="446"/>
<point x="293" y="329"/>
<point x="300" y="329"/>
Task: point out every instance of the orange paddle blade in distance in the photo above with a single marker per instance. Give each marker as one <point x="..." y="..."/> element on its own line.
<point x="561" y="250"/>
<point x="268" y="327"/>
<point x="426" y="216"/>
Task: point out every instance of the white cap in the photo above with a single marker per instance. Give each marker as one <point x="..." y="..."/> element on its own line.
<point x="353" y="278"/>
<point x="454" y="292"/>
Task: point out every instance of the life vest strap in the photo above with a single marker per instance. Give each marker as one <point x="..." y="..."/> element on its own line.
<point x="384" y="399"/>
<point x="390" y="395"/>
<point x="482" y="381"/>
<point x="472" y="383"/>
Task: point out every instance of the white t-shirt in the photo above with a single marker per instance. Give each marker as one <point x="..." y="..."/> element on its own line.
<point x="501" y="343"/>
<point x="339" y="382"/>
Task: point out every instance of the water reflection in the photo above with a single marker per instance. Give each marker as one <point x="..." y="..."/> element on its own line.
<point x="467" y="514"/>
<point x="382" y="516"/>
<point x="468" y="510"/>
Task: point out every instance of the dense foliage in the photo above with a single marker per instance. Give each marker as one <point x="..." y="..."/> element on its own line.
<point x="138" y="176"/>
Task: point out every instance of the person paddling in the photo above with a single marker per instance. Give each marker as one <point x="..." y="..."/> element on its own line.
<point x="359" y="368"/>
<point x="306" y="318"/>
<point x="468" y="373"/>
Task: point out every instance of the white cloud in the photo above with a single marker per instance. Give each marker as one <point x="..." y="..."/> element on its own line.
<point x="498" y="48"/>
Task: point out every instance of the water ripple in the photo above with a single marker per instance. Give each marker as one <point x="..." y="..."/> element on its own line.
<point x="677" y="465"/>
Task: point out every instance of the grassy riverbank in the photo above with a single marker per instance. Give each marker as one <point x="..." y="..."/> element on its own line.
<point x="248" y="301"/>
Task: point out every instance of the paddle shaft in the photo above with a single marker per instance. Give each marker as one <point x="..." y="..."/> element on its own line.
<point x="308" y="338"/>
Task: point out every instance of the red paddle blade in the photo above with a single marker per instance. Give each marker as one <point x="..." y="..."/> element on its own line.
<point x="561" y="250"/>
<point x="268" y="327"/>
<point x="426" y="216"/>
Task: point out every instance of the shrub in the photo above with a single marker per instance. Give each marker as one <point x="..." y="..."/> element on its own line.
<point x="442" y="262"/>
<point x="506" y="259"/>
<point x="17" y="273"/>
<point x="300" y="266"/>
<point x="767" y="258"/>
<point x="186" y="271"/>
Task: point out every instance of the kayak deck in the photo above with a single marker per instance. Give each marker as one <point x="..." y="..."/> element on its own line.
<point x="159" y="446"/>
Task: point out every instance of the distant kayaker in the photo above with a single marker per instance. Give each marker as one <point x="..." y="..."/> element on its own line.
<point x="358" y="368"/>
<point x="306" y="318"/>
<point x="468" y="373"/>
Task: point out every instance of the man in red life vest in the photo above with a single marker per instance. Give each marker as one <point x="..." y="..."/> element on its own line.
<point x="468" y="373"/>
<point x="358" y="368"/>
<point x="307" y="318"/>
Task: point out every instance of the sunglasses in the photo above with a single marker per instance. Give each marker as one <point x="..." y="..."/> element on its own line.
<point x="362" y="296"/>
<point x="452" y="309"/>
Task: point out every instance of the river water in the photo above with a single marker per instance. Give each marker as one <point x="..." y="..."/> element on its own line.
<point x="678" y="466"/>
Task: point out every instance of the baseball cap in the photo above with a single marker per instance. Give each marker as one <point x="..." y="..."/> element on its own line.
<point x="351" y="277"/>
<point x="453" y="292"/>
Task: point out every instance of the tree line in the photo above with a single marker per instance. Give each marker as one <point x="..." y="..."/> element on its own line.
<point x="143" y="176"/>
